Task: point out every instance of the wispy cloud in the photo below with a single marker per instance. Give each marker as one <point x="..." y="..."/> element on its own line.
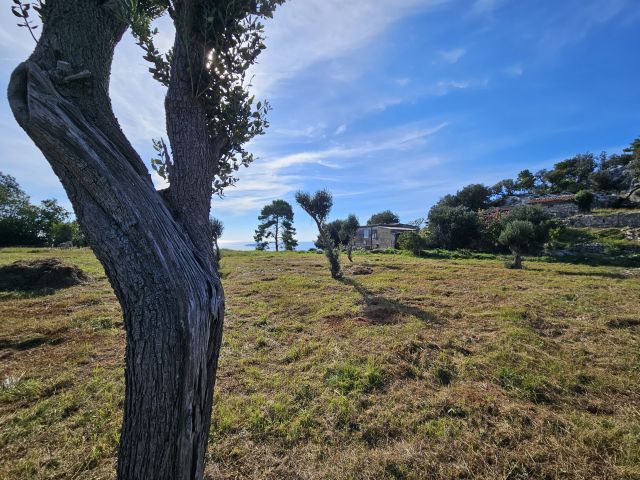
<point x="271" y="176"/>
<point x="563" y="30"/>
<point x="514" y="70"/>
<point x="453" y="55"/>
<point x="314" y="31"/>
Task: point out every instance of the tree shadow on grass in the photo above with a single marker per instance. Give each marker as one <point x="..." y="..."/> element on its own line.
<point x="373" y="301"/>
<point x="9" y="295"/>
<point x="596" y="260"/>
<point x="615" y="275"/>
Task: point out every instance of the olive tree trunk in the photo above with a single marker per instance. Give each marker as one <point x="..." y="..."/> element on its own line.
<point x="155" y="249"/>
<point x="517" y="260"/>
<point x="329" y="250"/>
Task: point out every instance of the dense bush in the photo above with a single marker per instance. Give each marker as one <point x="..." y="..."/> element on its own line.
<point x="584" y="200"/>
<point x="541" y="220"/>
<point x="453" y="227"/>
<point x="412" y="242"/>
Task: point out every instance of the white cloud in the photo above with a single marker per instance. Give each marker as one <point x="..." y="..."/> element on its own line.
<point x="310" y="131"/>
<point x="453" y="55"/>
<point x="341" y="129"/>
<point x="270" y="177"/>
<point x="304" y="33"/>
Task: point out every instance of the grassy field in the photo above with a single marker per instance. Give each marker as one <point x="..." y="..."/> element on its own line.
<point x="426" y="368"/>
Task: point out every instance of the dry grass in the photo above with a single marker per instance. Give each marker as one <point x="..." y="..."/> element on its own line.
<point x="425" y="368"/>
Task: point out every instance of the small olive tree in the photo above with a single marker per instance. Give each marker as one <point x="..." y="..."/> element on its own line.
<point x="348" y="232"/>
<point x="519" y="236"/>
<point x="318" y="206"/>
<point x="217" y="229"/>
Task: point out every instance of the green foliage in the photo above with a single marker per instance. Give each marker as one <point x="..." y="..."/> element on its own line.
<point x="526" y="181"/>
<point x="541" y="220"/>
<point x="384" y="217"/>
<point x="348" y="229"/>
<point x="318" y="206"/>
<point x="573" y="174"/>
<point x="21" y="222"/>
<point x="348" y="232"/>
<point x="333" y="229"/>
<point x="473" y="197"/>
<point x="217" y="228"/>
<point x="222" y="41"/>
<point x="504" y="188"/>
<point x="452" y="227"/>
<point x="633" y="152"/>
<point x="518" y="235"/>
<point x="584" y="200"/>
<point x="277" y="226"/>
<point x="50" y="213"/>
<point x="62" y="233"/>
<point x="412" y="242"/>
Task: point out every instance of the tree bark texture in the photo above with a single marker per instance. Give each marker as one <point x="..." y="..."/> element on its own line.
<point x="156" y="253"/>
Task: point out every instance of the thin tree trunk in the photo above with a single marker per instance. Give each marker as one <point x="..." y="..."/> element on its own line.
<point x="217" y="252"/>
<point x="517" y="261"/>
<point x="277" y="223"/>
<point x="350" y="250"/>
<point x="329" y="251"/>
<point x="153" y="253"/>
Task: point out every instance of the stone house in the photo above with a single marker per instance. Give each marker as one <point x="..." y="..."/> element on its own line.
<point x="560" y="206"/>
<point x="381" y="236"/>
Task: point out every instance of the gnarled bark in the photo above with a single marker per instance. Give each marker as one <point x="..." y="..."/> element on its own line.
<point x="154" y="254"/>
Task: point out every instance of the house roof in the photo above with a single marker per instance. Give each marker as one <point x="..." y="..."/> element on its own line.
<point x="554" y="199"/>
<point x="394" y="226"/>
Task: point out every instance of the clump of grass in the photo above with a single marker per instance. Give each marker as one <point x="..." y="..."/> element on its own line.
<point x="347" y="377"/>
<point x="534" y="387"/>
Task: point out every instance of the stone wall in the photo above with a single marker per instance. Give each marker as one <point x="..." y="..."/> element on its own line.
<point x="561" y="210"/>
<point x="617" y="220"/>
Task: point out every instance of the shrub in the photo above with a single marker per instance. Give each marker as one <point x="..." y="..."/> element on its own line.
<point x="453" y="227"/>
<point x="542" y="222"/>
<point x="412" y="242"/>
<point x="584" y="200"/>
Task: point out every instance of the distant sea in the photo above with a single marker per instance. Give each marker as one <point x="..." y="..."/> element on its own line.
<point x="302" y="246"/>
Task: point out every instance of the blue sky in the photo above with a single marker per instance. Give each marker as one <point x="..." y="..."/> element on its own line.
<point x="394" y="103"/>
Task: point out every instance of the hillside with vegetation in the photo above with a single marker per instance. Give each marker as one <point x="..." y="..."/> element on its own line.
<point x="514" y="214"/>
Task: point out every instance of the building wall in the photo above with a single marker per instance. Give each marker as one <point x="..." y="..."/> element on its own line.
<point x="378" y="237"/>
